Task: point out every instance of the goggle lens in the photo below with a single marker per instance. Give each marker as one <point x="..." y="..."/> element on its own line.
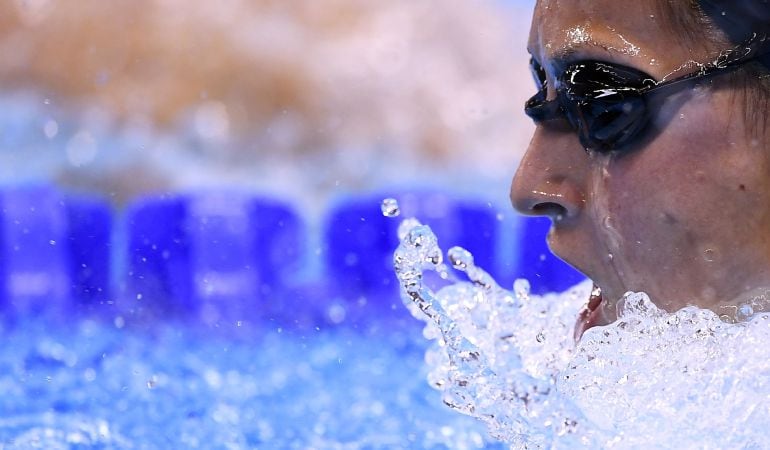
<point x="608" y="104"/>
<point x="604" y="103"/>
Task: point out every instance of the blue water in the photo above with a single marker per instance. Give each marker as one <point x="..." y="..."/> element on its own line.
<point x="94" y="385"/>
<point x="203" y="330"/>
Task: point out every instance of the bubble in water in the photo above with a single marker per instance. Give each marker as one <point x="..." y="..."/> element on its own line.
<point x="744" y="313"/>
<point x="634" y="303"/>
<point x="390" y="208"/>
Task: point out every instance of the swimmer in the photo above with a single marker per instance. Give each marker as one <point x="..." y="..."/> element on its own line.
<point x="652" y="149"/>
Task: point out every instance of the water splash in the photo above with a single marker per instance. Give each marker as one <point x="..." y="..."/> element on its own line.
<point x="505" y="379"/>
<point x="390" y="208"/>
<point x="652" y="379"/>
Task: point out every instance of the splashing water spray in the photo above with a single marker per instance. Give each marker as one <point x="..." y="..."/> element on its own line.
<point x="480" y="371"/>
<point x="652" y="379"/>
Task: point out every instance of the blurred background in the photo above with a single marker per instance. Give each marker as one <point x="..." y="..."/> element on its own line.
<point x="299" y="98"/>
<point x="192" y="250"/>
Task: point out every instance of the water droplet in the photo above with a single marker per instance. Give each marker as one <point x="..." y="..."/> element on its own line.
<point x="336" y="313"/>
<point x="52" y="242"/>
<point x="390" y="208"/>
<point x="744" y="313"/>
<point x="212" y="121"/>
<point x="406" y="226"/>
<point x="607" y="222"/>
<point x="708" y="255"/>
<point x="82" y="149"/>
<point x="521" y="288"/>
<point x="460" y="258"/>
<point x="51" y="129"/>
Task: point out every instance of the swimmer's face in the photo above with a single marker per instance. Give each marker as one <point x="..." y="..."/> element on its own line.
<point x="685" y="214"/>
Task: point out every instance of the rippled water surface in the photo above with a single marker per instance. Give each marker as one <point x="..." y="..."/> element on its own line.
<point x="92" y="385"/>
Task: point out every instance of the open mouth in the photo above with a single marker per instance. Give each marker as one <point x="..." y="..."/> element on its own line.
<point x="591" y="315"/>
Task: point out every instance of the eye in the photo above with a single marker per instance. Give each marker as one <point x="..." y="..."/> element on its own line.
<point x="538" y="74"/>
<point x="605" y="103"/>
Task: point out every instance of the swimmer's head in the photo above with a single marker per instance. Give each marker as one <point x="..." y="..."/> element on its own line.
<point x="667" y="193"/>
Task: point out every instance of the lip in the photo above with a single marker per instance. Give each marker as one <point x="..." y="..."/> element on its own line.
<point x="568" y="241"/>
<point x="591" y="314"/>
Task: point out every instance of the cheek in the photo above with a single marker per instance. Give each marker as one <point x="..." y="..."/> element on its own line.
<point x="687" y="193"/>
<point x="662" y="207"/>
<point x="651" y="220"/>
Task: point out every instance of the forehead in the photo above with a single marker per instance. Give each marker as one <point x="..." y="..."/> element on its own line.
<point x="627" y="29"/>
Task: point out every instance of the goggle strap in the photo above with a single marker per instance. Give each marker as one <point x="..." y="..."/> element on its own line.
<point x="755" y="47"/>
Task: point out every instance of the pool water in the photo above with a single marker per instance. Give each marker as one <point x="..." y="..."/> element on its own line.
<point x="222" y="320"/>
<point x="91" y="384"/>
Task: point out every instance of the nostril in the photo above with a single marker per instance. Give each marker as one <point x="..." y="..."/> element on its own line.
<point x="550" y="209"/>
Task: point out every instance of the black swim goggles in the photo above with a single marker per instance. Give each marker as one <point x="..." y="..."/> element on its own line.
<point x="609" y="104"/>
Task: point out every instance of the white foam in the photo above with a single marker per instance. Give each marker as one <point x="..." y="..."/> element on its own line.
<point x="650" y="380"/>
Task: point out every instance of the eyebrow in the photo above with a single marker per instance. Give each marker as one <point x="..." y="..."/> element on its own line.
<point x="567" y="55"/>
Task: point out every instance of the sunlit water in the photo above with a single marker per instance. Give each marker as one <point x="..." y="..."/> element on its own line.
<point x="650" y="380"/>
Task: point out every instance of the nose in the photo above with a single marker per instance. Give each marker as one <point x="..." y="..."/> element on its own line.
<point x="552" y="176"/>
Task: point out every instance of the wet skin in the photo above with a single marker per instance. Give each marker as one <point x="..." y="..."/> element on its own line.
<point x="685" y="215"/>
